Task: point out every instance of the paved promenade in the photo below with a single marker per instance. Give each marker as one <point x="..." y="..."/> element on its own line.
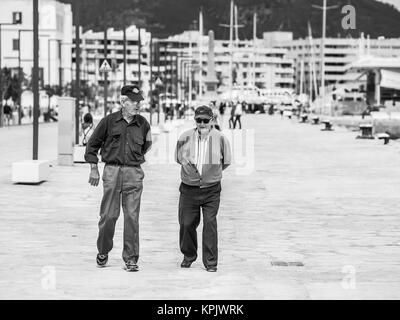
<point x="295" y="194"/>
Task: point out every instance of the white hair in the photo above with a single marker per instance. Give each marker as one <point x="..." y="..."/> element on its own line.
<point x="122" y="99"/>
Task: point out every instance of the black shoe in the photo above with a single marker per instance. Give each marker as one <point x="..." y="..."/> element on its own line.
<point x="211" y="269"/>
<point x="131" y="266"/>
<point x="101" y="259"/>
<point x="186" y="264"/>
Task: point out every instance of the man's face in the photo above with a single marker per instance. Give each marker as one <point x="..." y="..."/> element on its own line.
<point x="203" y="124"/>
<point x="131" y="107"/>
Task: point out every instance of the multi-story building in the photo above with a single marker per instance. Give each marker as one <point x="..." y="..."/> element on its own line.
<point x="339" y="53"/>
<point x="263" y="66"/>
<point x="55" y="39"/>
<point x="92" y="56"/>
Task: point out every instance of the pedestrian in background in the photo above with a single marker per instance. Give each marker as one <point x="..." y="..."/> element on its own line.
<point x="222" y="107"/>
<point x="87" y="128"/>
<point x="215" y="119"/>
<point x="232" y="115"/>
<point x="124" y="138"/>
<point x="203" y="154"/>
<point x="238" y="114"/>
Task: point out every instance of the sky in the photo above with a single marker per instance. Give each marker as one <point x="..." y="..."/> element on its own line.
<point x="396" y="3"/>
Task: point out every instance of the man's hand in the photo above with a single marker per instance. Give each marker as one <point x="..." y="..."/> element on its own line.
<point x="94" y="176"/>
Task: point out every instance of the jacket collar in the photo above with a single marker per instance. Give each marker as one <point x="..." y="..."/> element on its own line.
<point x="136" y="119"/>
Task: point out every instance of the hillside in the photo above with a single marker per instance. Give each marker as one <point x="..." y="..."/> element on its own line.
<point x="167" y="17"/>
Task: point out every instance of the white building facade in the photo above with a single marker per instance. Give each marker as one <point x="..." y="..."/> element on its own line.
<point x="339" y="53"/>
<point x="55" y="40"/>
<point x="92" y="56"/>
<point x="251" y="65"/>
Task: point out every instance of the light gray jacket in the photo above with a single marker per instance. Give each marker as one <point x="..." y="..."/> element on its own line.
<point x="218" y="158"/>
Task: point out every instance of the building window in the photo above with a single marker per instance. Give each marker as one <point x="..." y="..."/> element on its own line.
<point x="15" y="44"/>
<point x="17" y="17"/>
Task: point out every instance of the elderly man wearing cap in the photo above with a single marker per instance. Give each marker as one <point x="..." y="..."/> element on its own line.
<point x="203" y="153"/>
<point x="124" y="137"/>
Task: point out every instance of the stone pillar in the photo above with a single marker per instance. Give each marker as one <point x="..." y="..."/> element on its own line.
<point x="66" y="131"/>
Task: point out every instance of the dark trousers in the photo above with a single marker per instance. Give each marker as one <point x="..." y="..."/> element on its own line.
<point x="237" y="119"/>
<point x="190" y="201"/>
<point x="126" y="184"/>
<point x="231" y="122"/>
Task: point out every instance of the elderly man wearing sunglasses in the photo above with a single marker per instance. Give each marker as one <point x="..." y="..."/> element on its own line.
<point x="203" y="153"/>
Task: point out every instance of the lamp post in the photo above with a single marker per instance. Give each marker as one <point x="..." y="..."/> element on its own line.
<point x="35" y="79"/>
<point x="105" y="58"/>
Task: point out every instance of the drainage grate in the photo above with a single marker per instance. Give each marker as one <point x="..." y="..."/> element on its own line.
<point x="287" y="264"/>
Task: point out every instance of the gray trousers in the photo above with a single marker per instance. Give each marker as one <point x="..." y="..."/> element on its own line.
<point x="126" y="183"/>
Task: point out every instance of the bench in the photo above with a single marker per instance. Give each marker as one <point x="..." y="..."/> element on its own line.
<point x="328" y="125"/>
<point x="315" y="120"/>
<point x="384" y="136"/>
<point x="366" y="131"/>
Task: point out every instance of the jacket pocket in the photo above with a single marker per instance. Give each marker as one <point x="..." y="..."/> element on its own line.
<point x="137" y="145"/>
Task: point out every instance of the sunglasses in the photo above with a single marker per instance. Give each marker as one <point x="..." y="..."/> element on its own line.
<point x="199" y="120"/>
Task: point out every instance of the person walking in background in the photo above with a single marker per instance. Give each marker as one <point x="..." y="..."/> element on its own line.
<point x="222" y="107"/>
<point x="124" y="138"/>
<point x="215" y="120"/>
<point x="238" y="113"/>
<point x="203" y="154"/>
<point x="232" y="115"/>
<point x="87" y="128"/>
<point x="7" y="111"/>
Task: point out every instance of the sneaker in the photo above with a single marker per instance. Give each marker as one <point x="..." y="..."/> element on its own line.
<point x="211" y="269"/>
<point x="131" y="266"/>
<point x="101" y="260"/>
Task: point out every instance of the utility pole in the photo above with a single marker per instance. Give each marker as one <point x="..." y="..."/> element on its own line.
<point x="231" y="50"/>
<point x="105" y="57"/>
<point x="35" y="79"/>
<point x="151" y="79"/>
<point x="324" y="8"/>
<point x="139" y="58"/>
<point x="124" y="40"/>
<point x="254" y="46"/>
<point x="200" y="45"/>
<point x="190" y="69"/>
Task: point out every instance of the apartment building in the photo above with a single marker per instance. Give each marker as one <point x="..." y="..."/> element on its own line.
<point x="55" y="39"/>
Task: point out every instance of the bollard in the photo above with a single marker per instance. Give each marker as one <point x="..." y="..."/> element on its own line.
<point x="328" y="126"/>
<point x="366" y="131"/>
<point x="385" y="137"/>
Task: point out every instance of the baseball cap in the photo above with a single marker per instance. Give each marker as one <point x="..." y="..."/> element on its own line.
<point x="132" y="92"/>
<point x="203" y="111"/>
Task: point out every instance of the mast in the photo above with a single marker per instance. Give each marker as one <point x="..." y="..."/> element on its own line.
<point x="230" y="49"/>
<point x="254" y="47"/>
<point x="200" y="45"/>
